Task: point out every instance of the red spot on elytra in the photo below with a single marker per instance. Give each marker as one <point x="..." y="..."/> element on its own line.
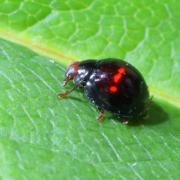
<point x="113" y="89"/>
<point x="121" y="70"/>
<point x="118" y="76"/>
<point x="116" y="79"/>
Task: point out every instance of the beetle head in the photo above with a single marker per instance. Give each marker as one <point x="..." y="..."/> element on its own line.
<point x="71" y="72"/>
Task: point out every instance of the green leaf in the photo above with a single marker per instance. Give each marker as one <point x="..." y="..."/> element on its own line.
<point x="43" y="137"/>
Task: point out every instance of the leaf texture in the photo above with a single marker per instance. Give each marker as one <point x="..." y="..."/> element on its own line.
<point x="43" y="137"/>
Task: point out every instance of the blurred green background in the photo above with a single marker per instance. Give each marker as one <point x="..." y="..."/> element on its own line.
<point x="43" y="137"/>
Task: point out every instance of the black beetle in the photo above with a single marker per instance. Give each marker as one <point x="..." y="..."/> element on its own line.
<point x="112" y="85"/>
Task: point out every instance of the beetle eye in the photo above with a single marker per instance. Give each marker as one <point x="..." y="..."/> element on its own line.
<point x="69" y="76"/>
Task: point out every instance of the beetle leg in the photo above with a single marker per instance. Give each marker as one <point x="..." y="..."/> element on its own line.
<point x="100" y="117"/>
<point x="68" y="92"/>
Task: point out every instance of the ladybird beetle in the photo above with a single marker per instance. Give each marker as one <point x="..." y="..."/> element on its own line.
<point x="113" y="85"/>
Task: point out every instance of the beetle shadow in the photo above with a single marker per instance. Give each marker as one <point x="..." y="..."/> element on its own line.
<point x="155" y="115"/>
<point x="75" y="99"/>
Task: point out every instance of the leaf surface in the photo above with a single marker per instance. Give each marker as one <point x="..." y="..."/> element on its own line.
<point x="43" y="137"/>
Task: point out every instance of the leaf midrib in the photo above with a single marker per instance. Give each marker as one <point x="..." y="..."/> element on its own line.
<point x="21" y="39"/>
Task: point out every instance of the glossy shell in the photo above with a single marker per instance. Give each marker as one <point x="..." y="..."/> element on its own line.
<point x="114" y="86"/>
